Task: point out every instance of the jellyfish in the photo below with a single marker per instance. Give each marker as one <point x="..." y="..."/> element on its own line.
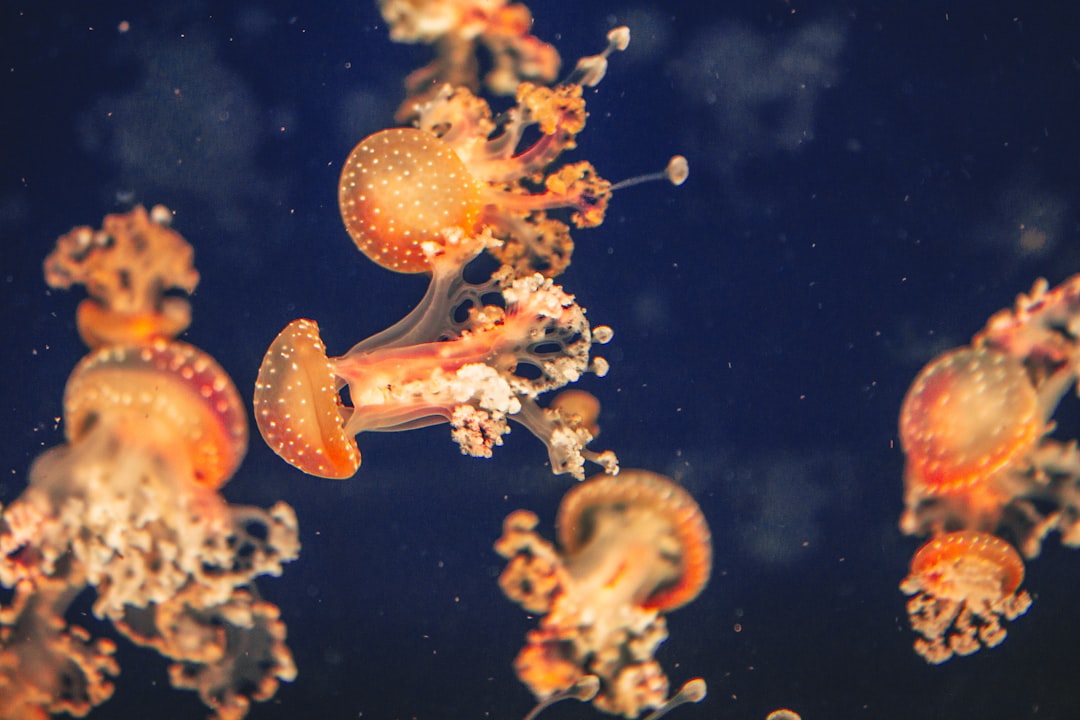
<point x="127" y="266"/>
<point x="458" y="183"/>
<point x="456" y="30"/>
<point x="964" y="585"/>
<point x="631" y="548"/>
<point x="520" y="337"/>
<point x="129" y="505"/>
<point x="976" y="428"/>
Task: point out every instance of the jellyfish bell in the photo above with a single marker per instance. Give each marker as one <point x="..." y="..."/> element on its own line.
<point x="637" y="533"/>
<point x="969" y="423"/>
<point x="951" y="560"/>
<point x="580" y="407"/>
<point x="402" y="188"/>
<point x="297" y="406"/>
<point x="168" y="393"/>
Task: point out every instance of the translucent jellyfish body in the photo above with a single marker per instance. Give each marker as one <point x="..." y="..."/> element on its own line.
<point x="631" y="548"/>
<point x="432" y="368"/>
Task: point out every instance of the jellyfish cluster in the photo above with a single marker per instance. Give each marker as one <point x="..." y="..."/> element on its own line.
<point x="479" y="355"/>
<point x="986" y="476"/>
<point x="129" y="506"/>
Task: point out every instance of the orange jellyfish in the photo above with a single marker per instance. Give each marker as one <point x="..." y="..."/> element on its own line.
<point x="456" y="29"/>
<point x="975" y="428"/>
<point x="963" y="586"/>
<point x="458" y="183"/>
<point x="632" y="548"/>
<point x="126" y="266"/>
<point x="970" y="415"/>
<point x="475" y="372"/>
<point x="129" y="506"/>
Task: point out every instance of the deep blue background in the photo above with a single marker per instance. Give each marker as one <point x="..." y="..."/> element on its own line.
<point x="861" y="177"/>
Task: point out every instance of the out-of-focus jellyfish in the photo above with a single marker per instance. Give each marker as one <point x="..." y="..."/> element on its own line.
<point x="456" y="29"/>
<point x="129" y="506"/>
<point x="963" y="585"/>
<point x="976" y="425"/>
<point x="631" y="548"/>
<point x="984" y="469"/>
<point x="127" y="266"/>
<point x="783" y="714"/>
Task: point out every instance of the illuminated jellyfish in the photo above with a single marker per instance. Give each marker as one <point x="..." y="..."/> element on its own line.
<point x="456" y="29"/>
<point x="472" y="355"/>
<point x="129" y="506"/>
<point x="402" y="189"/>
<point x="975" y="428"/>
<point x="467" y="372"/>
<point x="127" y="266"/>
<point x="963" y="585"/>
<point x="631" y="548"/>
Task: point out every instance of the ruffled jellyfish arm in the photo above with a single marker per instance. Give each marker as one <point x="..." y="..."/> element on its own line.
<point x="964" y="585"/>
<point x="127" y="267"/>
<point x="46" y="666"/>
<point x="456" y="30"/>
<point x="632" y="547"/>
<point x="297" y="407"/>
<point x="230" y="654"/>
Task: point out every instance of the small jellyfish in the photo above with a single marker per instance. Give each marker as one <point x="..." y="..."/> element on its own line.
<point x="632" y="548"/>
<point x="963" y="586"/>
<point x="127" y="266"/>
<point x="457" y="30"/>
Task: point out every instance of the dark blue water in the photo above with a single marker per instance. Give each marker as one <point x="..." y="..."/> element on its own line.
<point x="869" y="182"/>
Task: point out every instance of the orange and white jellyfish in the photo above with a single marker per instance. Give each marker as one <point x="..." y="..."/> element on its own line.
<point x="964" y="585"/>
<point x="975" y="427"/>
<point x="458" y="182"/>
<point x="129" y="505"/>
<point x="475" y="373"/>
<point x="631" y="548"/>
<point x="456" y="29"/>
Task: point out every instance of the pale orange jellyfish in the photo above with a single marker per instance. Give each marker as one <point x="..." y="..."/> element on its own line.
<point x="969" y="415"/>
<point x="580" y="407"/>
<point x="963" y="586"/>
<point x="129" y="506"/>
<point x="126" y="266"/>
<point x="632" y="548"/>
<point x="456" y="29"/>
<point x="976" y="423"/>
